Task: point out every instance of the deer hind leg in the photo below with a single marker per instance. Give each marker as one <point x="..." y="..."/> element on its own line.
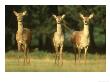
<point x="26" y="51"/>
<point x="79" y="51"/>
<point x="28" y="56"/>
<point x="61" y="54"/>
<point x="85" y="54"/>
<point x="75" y="55"/>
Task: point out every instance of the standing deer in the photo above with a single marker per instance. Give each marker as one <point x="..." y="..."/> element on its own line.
<point x="58" y="40"/>
<point x="81" y="39"/>
<point x="23" y="36"/>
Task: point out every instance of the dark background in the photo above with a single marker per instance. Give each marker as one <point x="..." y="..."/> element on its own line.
<point x="43" y="25"/>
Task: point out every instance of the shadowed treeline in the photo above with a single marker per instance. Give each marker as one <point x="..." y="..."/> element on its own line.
<point x="40" y="20"/>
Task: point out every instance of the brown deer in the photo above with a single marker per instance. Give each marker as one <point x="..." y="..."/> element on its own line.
<point x="58" y="40"/>
<point x="81" y="39"/>
<point x="23" y="36"/>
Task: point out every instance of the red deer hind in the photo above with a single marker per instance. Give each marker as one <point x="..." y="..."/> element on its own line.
<point x="58" y="40"/>
<point x="23" y="36"/>
<point x="81" y="39"/>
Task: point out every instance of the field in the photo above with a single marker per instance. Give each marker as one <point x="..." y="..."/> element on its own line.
<point x="44" y="62"/>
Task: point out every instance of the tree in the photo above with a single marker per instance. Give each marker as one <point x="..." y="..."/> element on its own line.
<point x="40" y="20"/>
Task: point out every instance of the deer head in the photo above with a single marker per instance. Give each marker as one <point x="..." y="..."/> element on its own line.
<point x="59" y="18"/>
<point x="86" y="19"/>
<point x="20" y="15"/>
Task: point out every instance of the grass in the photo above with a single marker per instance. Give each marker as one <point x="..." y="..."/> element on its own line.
<point x="43" y="61"/>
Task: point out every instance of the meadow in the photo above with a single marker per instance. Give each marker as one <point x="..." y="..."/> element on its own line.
<point x="44" y="62"/>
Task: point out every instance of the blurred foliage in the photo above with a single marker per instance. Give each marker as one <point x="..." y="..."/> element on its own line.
<point x="43" y="25"/>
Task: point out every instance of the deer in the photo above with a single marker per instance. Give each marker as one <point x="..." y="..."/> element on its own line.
<point x="81" y="39"/>
<point x="23" y="36"/>
<point x="58" y="40"/>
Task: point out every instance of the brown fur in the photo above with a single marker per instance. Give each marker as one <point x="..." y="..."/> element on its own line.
<point x="77" y="38"/>
<point x="23" y="36"/>
<point x="81" y="39"/>
<point x="26" y="36"/>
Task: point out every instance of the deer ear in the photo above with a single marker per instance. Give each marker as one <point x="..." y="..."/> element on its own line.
<point x="15" y="13"/>
<point x="63" y="16"/>
<point x="81" y="15"/>
<point x="91" y="16"/>
<point x="24" y="13"/>
<point x="54" y="16"/>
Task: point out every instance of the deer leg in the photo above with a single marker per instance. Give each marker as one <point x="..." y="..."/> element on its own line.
<point x="75" y="54"/>
<point x="28" y="55"/>
<point x="85" y="54"/>
<point x="24" y="58"/>
<point x="19" y="46"/>
<point x="79" y="51"/>
<point x="61" y="54"/>
<point x="25" y="53"/>
<point x="56" y="51"/>
<point x="56" y="55"/>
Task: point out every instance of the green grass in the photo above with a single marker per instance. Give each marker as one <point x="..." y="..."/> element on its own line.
<point x="43" y="61"/>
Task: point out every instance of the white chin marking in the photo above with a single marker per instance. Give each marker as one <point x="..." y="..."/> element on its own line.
<point x="20" y="41"/>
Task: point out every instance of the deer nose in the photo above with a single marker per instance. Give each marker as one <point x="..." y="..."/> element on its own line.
<point x="85" y="21"/>
<point x="58" y="21"/>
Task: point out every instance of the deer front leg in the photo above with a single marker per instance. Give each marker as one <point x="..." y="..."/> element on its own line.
<point x="85" y="54"/>
<point x="25" y="53"/>
<point x="61" y="54"/>
<point x="56" y="55"/>
<point x="19" y="48"/>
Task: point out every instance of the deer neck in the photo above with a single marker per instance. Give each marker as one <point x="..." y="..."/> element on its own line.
<point x="59" y="29"/>
<point x="86" y="29"/>
<point x="20" y="26"/>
